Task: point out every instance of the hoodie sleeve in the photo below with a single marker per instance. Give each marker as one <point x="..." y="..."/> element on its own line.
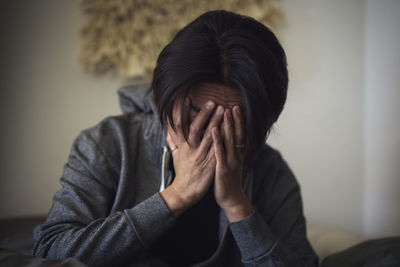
<point x="275" y="233"/>
<point x="79" y="223"/>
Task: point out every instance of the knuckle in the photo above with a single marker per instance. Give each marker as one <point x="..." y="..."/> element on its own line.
<point x="207" y="136"/>
<point x="193" y="128"/>
<point x="192" y="143"/>
<point x="202" y="113"/>
<point x="219" y="152"/>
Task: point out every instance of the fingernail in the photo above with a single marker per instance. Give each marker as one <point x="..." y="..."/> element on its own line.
<point x="220" y="110"/>
<point x="215" y="131"/>
<point x="210" y="104"/>
<point x="237" y="109"/>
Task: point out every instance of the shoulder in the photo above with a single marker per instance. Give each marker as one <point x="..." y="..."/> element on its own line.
<point x="116" y="129"/>
<point x="116" y="137"/>
<point x="100" y="146"/>
<point x="270" y="161"/>
<point x="108" y="133"/>
<point x="272" y="174"/>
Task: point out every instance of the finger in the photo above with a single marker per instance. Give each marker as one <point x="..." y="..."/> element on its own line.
<point x="199" y="121"/>
<point x="211" y="157"/>
<point x="205" y="145"/>
<point x="170" y="143"/>
<point x="214" y="122"/>
<point x="172" y="146"/>
<point x="218" y="146"/>
<point x="228" y="139"/>
<point x="238" y="125"/>
<point x="174" y="137"/>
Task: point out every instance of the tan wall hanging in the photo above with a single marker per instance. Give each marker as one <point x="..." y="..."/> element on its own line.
<point x="124" y="37"/>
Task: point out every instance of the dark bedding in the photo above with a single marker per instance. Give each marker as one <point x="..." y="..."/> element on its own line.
<point x="16" y="233"/>
<point x="16" y="244"/>
<point x="383" y="252"/>
<point x="10" y="257"/>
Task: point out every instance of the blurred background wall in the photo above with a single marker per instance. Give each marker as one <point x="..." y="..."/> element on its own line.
<point x="339" y="131"/>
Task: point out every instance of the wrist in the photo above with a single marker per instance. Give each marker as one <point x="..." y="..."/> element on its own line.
<point x="238" y="211"/>
<point x="174" y="201"/>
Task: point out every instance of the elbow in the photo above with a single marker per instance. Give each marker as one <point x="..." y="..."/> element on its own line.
<point x="45" y="243"/>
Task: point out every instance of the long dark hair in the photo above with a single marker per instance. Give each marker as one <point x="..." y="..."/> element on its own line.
<point x="234" y="50"/>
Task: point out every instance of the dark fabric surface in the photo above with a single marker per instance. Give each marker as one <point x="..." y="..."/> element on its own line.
<point x="383" y="252"/>
<point x="16" y="233"/>
<point x="10" y="257"/>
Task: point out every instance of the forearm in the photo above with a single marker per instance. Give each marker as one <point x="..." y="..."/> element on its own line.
<point x="89" y="243"/>
<point x="117" y="238"/>
<point x="260" y="247"/>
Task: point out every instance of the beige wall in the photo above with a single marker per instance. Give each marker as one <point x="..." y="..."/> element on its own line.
<point x="320" y="132"/>
<point x="46" y="99"/>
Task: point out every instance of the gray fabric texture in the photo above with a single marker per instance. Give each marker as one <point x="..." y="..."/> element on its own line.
<point x="109" y="210"/>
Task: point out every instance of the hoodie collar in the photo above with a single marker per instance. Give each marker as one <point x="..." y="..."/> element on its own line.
<point x="139" y="99"/>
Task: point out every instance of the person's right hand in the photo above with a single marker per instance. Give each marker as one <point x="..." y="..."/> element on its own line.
<point x="194" y="161"/>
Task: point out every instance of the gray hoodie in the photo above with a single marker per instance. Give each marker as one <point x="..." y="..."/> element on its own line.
<point x="109" y="211"/>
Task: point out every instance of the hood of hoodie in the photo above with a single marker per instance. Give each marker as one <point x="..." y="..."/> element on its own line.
<point x="136" y="99"/>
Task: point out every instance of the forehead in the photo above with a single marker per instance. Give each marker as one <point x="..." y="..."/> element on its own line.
<point x="222" y="95"/>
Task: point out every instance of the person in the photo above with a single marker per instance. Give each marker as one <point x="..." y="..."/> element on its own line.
<point x="184" y="177"/>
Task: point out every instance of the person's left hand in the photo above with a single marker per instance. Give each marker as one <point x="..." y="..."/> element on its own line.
<point x="229" y="151"/>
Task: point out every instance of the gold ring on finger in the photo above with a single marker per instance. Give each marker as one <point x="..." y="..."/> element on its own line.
<point x="173" y="148"/>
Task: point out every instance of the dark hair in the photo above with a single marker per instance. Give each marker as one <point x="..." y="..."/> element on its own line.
<point x="230" y="49"/>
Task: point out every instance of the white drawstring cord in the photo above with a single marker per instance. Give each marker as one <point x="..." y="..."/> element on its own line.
<point x="163" y="167"/>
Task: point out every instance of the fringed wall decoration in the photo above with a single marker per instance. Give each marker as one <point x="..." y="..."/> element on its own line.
<point x="124" y="37"/>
